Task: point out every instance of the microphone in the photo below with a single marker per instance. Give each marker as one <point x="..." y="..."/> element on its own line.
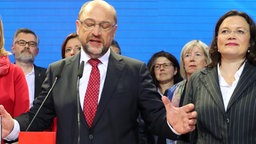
<point x="79" y="75"/>
<point x="80" y="70"/>
<point x="57" y="76"/>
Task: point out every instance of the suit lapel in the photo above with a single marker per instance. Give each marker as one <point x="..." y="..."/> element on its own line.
<point x="211" y="82"/>
<point x="114" y="71"/>
<point x="70" y="73"/>
<point x="72" y="64"/>
<point x="37" y="78"/>
<point x="247" y="77"/>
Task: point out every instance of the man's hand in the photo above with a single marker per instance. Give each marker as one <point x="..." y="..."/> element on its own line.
<point x="182" y="119"/>
<point x="7" y="122"/>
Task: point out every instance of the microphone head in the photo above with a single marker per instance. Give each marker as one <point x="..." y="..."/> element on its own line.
<point x="58" y="74"/>
<point x="80" y="70"/>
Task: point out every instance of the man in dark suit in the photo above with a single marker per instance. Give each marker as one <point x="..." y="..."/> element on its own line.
<point x="125" y="89"/>
<point x="25" y="49"/>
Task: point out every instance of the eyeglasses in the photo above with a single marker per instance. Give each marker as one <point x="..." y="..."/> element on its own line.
<point x="165" y="66"/>
<point x="75" y="50"/>
<point x="24" y="43"/>
<point x="90" y="24"/>
<point x="239" y="32"/>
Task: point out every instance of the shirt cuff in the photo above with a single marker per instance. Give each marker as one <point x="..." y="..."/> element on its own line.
<point x="173" y="129"/>
<point x="14" y="133"/>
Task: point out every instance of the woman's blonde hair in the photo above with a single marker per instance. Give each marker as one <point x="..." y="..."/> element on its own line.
<point x="3" y="52"/>
<point x="187" y="47"/>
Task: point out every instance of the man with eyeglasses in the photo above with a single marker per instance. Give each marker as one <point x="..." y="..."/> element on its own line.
<point x="25" y="49"/>
<point x="123" y="88"/>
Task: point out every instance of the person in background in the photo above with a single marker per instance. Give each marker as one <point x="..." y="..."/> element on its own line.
<point x="70" y="46"/>
<point x="13" y="86"/>
<point x="224" y="93"/>
<point x="25" y="49"/>
<point x="194" y="56"/>
<point x="124" y="88"/>
<point x="115" y="47"/>
<point x="165" y="71"/>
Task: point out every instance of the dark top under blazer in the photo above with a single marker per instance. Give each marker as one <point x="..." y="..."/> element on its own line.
<point x="39" y="79"/>
<point x="236" y="125"/>
<point x="128" y="88"/>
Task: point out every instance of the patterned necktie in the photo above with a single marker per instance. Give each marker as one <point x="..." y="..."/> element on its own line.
<point x="92" y="92"/>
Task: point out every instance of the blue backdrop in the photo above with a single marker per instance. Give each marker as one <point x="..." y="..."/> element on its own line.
<point x="144" y="26"/>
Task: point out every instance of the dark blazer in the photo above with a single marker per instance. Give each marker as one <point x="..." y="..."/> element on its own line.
<point x="128" y="89"/>
<point x="236" y="125"/>
<point x="39" y="78"/>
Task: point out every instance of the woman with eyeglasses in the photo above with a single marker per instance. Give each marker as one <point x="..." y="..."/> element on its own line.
<point x="165" y="71"/>
<point x="13" y="86"/>
<point x="224" y="93"/>
<point x="70" y="46"/>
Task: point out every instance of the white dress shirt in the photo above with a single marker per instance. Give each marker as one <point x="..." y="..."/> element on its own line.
<point x="86" y="74"/>
<point x="30" y="78"/>
<point x="226" y="89"/>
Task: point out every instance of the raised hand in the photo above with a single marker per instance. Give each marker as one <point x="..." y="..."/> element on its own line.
<point x="7" y="122"/>
<point x="182" y="119"/>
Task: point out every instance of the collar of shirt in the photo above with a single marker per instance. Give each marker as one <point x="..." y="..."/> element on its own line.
<point x="86" y="73"/>
<point x="227" y="90"/>
<point x="104" y="59"/>
<point x="237" y="74"/>
<point x="32" y="72"/>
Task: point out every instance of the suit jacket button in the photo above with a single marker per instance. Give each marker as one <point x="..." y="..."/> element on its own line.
<point x="90" y="136"/>
<point x="228" y="120"/>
